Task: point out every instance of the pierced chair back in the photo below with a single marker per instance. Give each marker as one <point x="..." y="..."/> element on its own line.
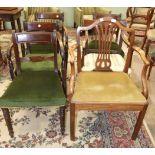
<point x="104" y="31"/>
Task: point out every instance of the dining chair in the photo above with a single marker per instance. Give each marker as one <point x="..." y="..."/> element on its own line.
<point x="35" y="83"/>
<point x="102" y="88"/>
<point x="141" y="19"/>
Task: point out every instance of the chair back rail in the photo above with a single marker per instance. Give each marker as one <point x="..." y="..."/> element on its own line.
<point x="50" y="15"/>
<point x="105" y="29"/>
<point x="39" y="26"/>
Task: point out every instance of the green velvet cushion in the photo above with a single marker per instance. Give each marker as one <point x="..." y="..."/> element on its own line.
<point x="41" y="49"/>
<point x="39" y="86"/>
<point x="37" y="66"/>
<point x="115" y="49"/>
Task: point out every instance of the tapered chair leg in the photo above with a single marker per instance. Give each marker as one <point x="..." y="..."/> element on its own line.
<point x="139" y="123"/>
<point x="72" y="121"/>
<point x="7" y="118"/>
<point x="62" y="119"/>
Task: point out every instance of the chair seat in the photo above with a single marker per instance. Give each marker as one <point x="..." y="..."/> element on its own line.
<point x="107" y="88"/>
<point x="141" y="26"/>
<point x="115" y="49"/>
<point x="24" y="90"/>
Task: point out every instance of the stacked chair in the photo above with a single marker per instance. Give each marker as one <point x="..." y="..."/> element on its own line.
<point x="141" y="19"/>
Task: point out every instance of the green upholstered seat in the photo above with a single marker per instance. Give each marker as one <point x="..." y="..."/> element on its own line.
<point x="115" y="49"/>
<point x="37" y="85"/>
<point x="38" y="49"/>
<point x="106" y="87"/>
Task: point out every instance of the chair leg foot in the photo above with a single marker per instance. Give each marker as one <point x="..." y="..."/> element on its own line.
<point x="62" y="119"/>
<point x="7" y="118"/>
<point x="139" y="122"/>
<point x="72" y="122"/>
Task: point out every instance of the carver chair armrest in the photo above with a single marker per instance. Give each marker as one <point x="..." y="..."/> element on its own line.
<point x="72" y="64"/>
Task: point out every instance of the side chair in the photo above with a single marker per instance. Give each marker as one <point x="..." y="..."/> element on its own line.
<point x="102" y="88"/>
<point x="36" y="83"/>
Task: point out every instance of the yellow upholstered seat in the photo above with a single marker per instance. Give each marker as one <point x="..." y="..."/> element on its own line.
<point x="107" y="87"/>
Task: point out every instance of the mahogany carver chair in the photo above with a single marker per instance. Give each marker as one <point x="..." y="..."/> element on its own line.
<point x="35" y="83"/>
<point x="141" y="19"/>
<point x="107" y="89"/>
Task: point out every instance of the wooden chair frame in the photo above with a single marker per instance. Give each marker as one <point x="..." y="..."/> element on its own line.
<point x="148" y="17"/>
<point x="112" y="106"/>
<point x="36" y="37"/>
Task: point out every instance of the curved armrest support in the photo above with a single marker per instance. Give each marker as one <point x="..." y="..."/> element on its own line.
<point x="144" y="70"/>
<point x="72" y="77"/>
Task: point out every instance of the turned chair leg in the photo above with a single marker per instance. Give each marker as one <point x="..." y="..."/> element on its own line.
<point x="62" y="119"/>
<point x="72" y="121"/>
<point x="139" y="122"/>
<point x="7" y="118"/>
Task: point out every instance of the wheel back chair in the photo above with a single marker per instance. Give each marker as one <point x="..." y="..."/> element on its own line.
<point x="107" y="89"/>
<point x="35" y="82"/>
<point x="141" y="19"/>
